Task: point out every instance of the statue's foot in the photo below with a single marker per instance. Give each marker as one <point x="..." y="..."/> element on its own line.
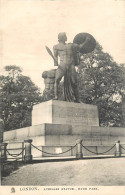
<point x="77" y="101"/>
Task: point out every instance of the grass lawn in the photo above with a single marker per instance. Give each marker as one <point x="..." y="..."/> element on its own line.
<point x="92" y="172"/>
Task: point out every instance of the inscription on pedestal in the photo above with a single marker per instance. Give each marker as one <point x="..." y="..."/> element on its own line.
<point x="70" y="112"/>
<point x="61" y="112"/>
<point x="75" y="115"/>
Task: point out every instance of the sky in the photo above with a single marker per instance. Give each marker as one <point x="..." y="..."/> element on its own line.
<point x="28" y="25"/>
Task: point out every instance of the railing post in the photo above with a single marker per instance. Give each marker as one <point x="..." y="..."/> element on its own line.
<point x="23" y="151"/>
<point x="3" y="155"/>
<point x="3" y="148"/>
<point x="27" y="156"/>
<point x="1" y="130"/>
<point x="118" y="149"/>
<point x="79" y="154"/>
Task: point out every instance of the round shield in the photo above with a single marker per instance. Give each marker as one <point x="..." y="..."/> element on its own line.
<point x="89" y="45"/>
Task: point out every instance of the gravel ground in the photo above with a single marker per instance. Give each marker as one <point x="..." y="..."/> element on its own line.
<point x="94" y="172"/>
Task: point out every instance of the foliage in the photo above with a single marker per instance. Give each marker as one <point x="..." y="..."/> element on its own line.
<point x="102" y="82"/>
<point x="17" y="96"/>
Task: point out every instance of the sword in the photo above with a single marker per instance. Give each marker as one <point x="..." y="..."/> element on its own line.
<point x="51" y="54"/>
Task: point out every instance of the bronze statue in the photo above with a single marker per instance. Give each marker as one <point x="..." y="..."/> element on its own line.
<point x="69" y="55"/>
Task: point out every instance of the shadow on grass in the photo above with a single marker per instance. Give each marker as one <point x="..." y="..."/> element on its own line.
<point x="8" y="167"/>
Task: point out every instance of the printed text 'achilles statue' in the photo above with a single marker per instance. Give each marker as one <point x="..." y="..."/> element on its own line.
<point x="69" y="55"/>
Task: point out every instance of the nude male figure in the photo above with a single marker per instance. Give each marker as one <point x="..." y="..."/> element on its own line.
<point x="69" y="58"/>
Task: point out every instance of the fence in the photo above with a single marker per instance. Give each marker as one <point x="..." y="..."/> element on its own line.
<point x="12" y="151"/>
<point x="9" y="157"/>
<point x="79" y="150"/>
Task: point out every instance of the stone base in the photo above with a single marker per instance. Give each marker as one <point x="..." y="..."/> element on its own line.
<point x="28" y="158"/>
<point x="79" y="156"/>
<point x="55" y="138"/>
<point x="117" y="154"/>
<point x="62" y="112"/>
<point x="60" y="134"/>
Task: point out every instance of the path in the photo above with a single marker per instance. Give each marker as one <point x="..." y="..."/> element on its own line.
<point x="94" y="172"/>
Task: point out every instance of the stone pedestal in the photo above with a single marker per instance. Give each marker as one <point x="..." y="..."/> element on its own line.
<point x="62" y="112"/>
<point x="56" y="125"/>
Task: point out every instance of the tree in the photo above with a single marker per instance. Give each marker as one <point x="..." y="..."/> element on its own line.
<point x="17" y="96"/>
<point x="102" y="82"/>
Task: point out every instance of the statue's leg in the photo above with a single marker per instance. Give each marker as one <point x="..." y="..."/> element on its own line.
<point x="56" y="89"/>
<point x="58" y="76"/>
